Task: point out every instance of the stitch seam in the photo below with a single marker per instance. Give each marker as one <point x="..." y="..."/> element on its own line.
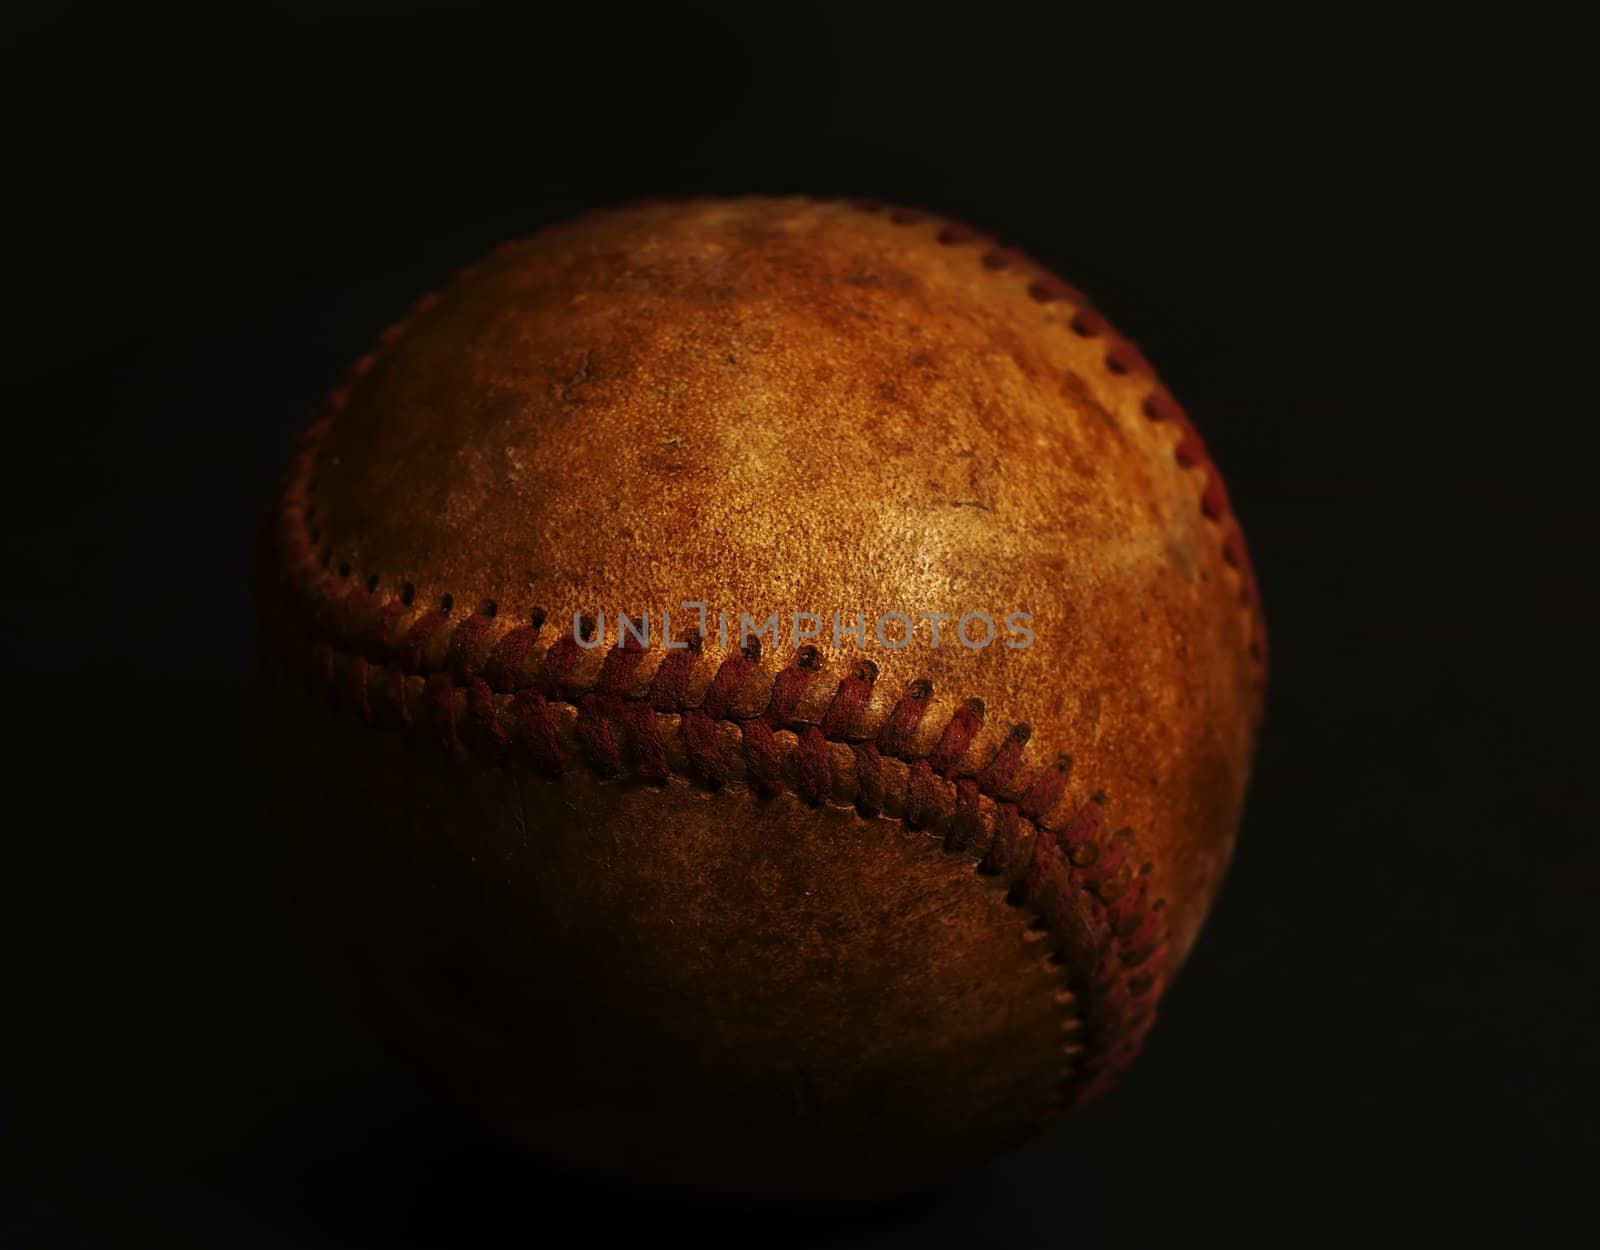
<point x="1073" y="876"/>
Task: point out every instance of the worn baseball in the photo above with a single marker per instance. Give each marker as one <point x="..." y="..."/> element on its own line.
<point x="763" y="690"/>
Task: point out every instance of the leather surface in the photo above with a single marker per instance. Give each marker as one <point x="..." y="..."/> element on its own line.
<point x="782" y="406"/>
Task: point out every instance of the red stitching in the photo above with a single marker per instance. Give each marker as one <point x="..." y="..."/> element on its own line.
<point x="558" y="662"/>
<point x="1088" y="324"/>
<point x="788" y="687"/>
<point x="417" y="639"/>
<point x="1046" y="884"/>
<point x="395" y="694"/>
<point x="616" y="672"/>
<point x="650" y="752"/>
<point x="1051" y="288"/>
<point x="705" y="753"/>
<point x="439" y="697"/>
<point x="509" y="655"/>
<point x="869" y="779"/>
<point x="597" y="713"/>
<point x="964" y="825"/>
<point x="725" y="686"/>
<point x="465" y="641"/>
<point x="1082" y="831"/>
<point x="1142" y="938"/>
<point x="1105" y="864"/>
<point x="1190" y="451"/>
<point x="849" y="700"/>
<point x="957" y="736"/>
<point x="1126" y="358"/>
<point x="922" y="796"/>
<point x="895" y="736"/>
<point x="1005" y="847"/>
<point x="762" y="759"/>
<point x="996" y="776"/>
<point x="670" y="685"/>
<point x="483" y="717"/>
<point x="1046" y="792"/>
<point x="812" y="776"/>
<point x="538" y="731"/>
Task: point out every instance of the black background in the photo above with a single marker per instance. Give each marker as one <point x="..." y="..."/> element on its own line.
<point x="1379" y="1037"/>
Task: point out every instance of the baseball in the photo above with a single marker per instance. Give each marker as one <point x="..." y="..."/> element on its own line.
<point x="762" y="691"/>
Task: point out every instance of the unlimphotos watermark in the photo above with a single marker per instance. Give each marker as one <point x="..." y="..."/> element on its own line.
<point x="894" y="630"/>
